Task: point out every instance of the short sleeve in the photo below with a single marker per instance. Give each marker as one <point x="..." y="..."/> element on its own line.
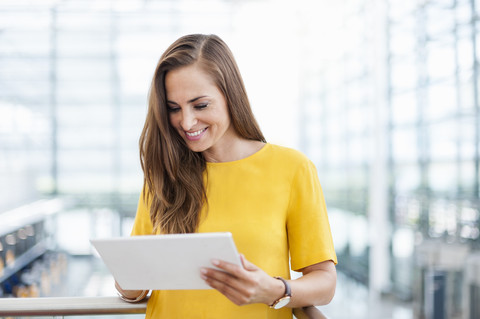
<point x="142" y="224"/>
<point x="309" y="235"/>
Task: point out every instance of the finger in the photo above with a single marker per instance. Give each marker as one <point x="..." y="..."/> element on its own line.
<point x="238" y="295"/>
<point x="246" y="264"/>
<point x="222" y="277"/>
<point x="222" y="280"/>
<point x="230" y="268"/>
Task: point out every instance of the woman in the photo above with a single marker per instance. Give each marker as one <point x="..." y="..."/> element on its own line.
<point x="208" y="168"/>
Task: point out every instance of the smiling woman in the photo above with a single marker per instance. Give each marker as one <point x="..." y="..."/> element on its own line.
<point x="208" y="168"/>
<point x="201" y="114"/>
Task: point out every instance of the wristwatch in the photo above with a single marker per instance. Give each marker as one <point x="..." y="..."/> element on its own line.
<point x="285" y="299"/>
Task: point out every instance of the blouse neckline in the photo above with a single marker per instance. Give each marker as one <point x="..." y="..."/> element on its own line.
<point x="250" y="157"/>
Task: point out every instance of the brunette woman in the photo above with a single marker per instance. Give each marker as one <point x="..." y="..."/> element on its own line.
<point x="208" y="168"/>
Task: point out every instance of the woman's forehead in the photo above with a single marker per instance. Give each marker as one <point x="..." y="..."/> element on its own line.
<point x="189" y="82"/>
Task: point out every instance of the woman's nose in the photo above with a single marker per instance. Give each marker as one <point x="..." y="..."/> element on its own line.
<point x="188" y="120"/>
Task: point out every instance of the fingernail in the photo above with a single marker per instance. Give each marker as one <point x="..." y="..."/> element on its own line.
<point x="216" y="262"/>
<point x="203" y="271"/>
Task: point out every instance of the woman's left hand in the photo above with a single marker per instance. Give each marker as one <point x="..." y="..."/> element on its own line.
<point x="243" y="285"/>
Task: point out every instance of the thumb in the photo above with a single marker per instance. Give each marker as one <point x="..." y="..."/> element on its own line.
<point x="246" y="264"/>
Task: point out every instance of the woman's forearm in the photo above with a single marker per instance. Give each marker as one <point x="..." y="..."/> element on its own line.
<point x="249" y="284"/>
<point x="316" y="287"/>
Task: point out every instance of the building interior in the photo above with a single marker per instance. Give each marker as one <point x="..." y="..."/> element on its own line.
<point x="383" y="97"/>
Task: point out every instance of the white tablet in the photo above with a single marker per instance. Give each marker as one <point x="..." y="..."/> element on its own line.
<point x="164" y="262"/>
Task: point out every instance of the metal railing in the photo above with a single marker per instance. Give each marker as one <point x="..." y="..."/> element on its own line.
<point x="58" y="307"/>
<point x="68" y="306"/>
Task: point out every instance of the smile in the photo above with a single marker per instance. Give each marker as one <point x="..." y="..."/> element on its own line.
<point x="197" y="133"/>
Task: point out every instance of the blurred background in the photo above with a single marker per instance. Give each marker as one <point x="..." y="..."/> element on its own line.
<point x="383" y="96"/>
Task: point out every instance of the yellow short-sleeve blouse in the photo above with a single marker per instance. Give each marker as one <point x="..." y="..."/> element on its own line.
<point x="273" y="204"/>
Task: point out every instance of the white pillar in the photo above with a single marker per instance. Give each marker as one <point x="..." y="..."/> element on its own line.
<point x="378" y="216"/>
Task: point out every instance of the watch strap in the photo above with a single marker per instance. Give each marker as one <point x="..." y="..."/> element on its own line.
<point x="285" y="299"/>
<point x="288" y="291"/>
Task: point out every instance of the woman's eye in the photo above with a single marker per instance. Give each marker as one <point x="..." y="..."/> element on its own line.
<point x="171" y="109"/>
<point x="201" y="106"/>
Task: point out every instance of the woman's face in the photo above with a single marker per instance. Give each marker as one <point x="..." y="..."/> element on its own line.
<point x="198" y="110"/>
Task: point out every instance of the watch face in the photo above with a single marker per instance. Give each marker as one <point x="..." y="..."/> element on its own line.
<point x="282" y="302"/>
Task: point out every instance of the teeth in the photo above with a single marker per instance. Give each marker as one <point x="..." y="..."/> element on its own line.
<point x="195" y="133"/>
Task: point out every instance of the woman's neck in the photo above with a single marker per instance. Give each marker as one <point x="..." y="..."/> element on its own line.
<point x="234" y="151"/>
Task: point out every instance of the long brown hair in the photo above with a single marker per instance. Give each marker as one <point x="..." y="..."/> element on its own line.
<point x="173" y="174"/>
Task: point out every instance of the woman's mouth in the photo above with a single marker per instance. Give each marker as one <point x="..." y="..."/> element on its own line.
<point x="192" y="136"/>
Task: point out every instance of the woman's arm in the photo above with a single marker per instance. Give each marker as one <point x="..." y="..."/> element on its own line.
<point x="316" y="287"/>
<point x="249" y="284"/>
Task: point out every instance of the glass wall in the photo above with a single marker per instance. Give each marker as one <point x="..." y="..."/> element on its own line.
<point x="434" y="126"/>
<point x="391" y="110"/>
<point x="73" y="93"/>
<point x="338" y="123"/>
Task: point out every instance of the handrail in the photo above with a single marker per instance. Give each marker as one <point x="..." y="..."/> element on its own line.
<point x="66" y="306"/>
<point x="72" y="306"/>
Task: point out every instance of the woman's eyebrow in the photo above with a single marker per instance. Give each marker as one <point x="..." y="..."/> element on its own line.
<point x="197" y="98"/>
<point x="189" y="101"/>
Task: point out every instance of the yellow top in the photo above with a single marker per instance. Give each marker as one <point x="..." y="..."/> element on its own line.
<point x="273" y="205"/>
